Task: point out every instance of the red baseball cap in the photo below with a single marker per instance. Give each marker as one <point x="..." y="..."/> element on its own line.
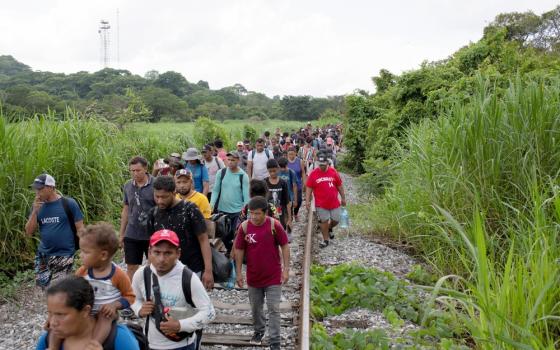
<point x="164" y="235"/>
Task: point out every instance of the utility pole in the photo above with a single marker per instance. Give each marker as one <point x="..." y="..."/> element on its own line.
<point x="118" y="41"/>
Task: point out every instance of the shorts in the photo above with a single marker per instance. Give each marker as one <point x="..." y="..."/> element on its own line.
<point x="50" y="268"/>
<point x="134" y="249"/>
<point x="328" y="214"/>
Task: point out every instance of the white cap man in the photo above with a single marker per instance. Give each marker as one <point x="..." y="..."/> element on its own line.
<point x="57" y="218"/>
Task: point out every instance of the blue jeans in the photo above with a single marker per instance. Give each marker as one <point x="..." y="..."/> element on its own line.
<point x="273" y="296"/>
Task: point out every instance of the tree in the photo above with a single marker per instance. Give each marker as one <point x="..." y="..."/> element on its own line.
<point x="151" y="75"/>
<point x="135" y="111"/>
<point x="164" y="104"/>
<point x="297" y="107"/>
<point x="384" y="80"/>
<point x="173" y="81"/>
<point x="203" y="84"/>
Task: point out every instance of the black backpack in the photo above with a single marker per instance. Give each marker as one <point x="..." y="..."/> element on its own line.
<point x="71" y="221"/>
<point x="186" y="284"/>
<point x="109" y="343"/>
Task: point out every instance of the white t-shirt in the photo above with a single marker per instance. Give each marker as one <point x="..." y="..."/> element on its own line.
<point x="260" y="171"/>
<point x="213" y="167"/>
<point x="172" y="296"/>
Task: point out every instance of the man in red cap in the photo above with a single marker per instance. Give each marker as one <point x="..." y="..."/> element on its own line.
<point x="186" y="309"/>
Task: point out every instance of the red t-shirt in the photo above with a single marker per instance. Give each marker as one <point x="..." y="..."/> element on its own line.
<point x="324" y="185"/>
<point x="264" y="267"/>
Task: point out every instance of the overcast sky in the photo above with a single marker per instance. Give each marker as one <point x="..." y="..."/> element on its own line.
<point x="280" y="47"/>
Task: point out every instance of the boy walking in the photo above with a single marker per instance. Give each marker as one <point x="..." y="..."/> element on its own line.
<point x="259" y="238"/>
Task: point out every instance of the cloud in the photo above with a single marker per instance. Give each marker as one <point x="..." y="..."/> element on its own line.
<point x="277" y="47"/>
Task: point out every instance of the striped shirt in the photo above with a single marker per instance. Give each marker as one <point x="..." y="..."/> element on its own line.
<point x="114" y="287"/>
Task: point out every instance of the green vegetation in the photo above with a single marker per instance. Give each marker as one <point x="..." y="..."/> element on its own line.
<point x="462" y="158"/>
<point x="122" y="97"/>
<point x="347" y="286"/>
<point x="87" y="157"/>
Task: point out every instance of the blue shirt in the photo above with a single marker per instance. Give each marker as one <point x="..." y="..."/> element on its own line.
<point x="232" y="199"/>
<point x="57" y="238"/>
<point x="124" y="340"/>
<point x="290" y="177"/>
<point x="200" y="174"/>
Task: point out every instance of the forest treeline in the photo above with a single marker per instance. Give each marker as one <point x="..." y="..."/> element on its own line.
<point x="523" y="44"/>
<point x="118" y="95"/>
<point x="462" y="159"/>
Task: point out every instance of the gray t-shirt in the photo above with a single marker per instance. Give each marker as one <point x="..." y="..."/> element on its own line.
<point x="138" y="199"/>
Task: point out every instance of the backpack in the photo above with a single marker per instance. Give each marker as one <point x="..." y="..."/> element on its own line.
<point x="71" y="221"/>
<point x="186" y="285"/>
<point x="109" y="343"/>
<point x="245" y="223"/>
<point x="222" y="175"/>
<point x="254" y="151"/>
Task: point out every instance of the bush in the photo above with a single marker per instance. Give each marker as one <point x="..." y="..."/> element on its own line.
<point x="207" y="131"/>
<point x="476" y="194"/>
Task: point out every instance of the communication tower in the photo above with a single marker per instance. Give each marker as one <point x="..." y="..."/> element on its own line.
<point x="104" y="37"/>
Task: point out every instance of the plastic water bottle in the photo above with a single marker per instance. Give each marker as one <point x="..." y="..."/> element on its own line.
<point x="344" y="220"/>
<point x="232" y="278"/>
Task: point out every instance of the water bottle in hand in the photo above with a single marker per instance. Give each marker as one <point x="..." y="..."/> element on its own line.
<point x="344" y="220"/>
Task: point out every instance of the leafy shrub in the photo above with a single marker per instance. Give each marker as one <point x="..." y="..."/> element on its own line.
<point x="207" y="131"/>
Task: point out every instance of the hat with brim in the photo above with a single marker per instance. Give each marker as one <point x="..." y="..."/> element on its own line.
<point x="164" y="235"/>
<point x="322" y="160"/>
<point x="191" y="154"/>
<point x="175" y="155"/>
<point x="233" y="154"/>
<point x="42" y="181"/>
<point x="183" y="172"/>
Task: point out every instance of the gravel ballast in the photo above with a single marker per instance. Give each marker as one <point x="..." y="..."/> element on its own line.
<point x="22" y="322"/>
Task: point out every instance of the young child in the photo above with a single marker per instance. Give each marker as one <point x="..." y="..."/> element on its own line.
<point x="112" y="288"/>
<point x="259" y="239"/>
<point x="278" y="193"/>
<point x="289" y="176"/>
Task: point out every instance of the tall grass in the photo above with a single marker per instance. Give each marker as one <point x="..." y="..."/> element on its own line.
<point x="88" y="159"/>
<point x="492" y="166"/>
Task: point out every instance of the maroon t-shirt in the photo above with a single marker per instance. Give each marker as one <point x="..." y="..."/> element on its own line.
<point x="261" y="249"/>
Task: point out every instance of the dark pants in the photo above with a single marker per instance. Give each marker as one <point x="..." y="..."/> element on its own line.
<point x="299" y="200"/>
<point x="227" y="239"/>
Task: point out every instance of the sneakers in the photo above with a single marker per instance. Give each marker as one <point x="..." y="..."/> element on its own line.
<point x="289" y="237"/>
<point x="257" y="338"/>
<point x="324" y="244"/>
<point x="274" y="346"/>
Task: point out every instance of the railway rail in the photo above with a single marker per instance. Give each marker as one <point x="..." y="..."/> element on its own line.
<point x="233" y="324"/>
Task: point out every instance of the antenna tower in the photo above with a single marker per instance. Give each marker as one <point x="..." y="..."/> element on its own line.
<point x="104" y="36"/>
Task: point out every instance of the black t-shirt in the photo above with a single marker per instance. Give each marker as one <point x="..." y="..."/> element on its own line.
<point x="188" y="223"/>
<point x="278" y="195"/>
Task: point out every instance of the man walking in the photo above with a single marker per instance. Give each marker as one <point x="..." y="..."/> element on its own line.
<point x="184" y="218"/>
<point x="178" y="289"/>
<point x="259" y="239"/>
<point x="256" y="162"/>
<point x="57" y="218"/>
<point x="212" y="164"/>
<point x="138" y="200"/>
<point x="231" y="193"/>
<point x="325" y="184"/>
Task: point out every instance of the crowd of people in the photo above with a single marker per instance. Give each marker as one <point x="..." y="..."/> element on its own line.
<point x="248" y="198"/>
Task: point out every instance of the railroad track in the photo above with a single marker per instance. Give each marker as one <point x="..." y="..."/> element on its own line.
<point x="233" y="324"/>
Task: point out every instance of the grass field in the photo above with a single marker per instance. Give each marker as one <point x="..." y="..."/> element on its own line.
<point x="88" y="159"/>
